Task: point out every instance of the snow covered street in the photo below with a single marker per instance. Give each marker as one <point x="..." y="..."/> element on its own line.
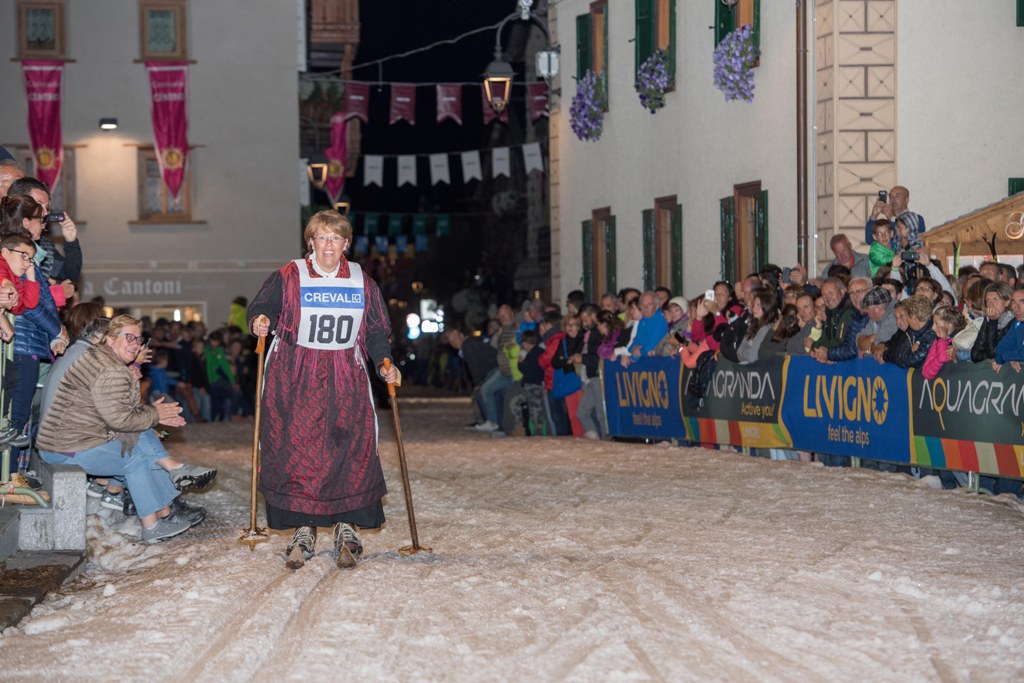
<point x="555" y="560"/>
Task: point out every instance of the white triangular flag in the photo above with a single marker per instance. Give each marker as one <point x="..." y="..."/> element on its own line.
<point x="439" y="169"/>
<point x="373" y="171"/>
<point x="471" y="166"/>
<point x="532" y="158"/>
<point x="407" y="169"/>
<point x="499" y="163"/>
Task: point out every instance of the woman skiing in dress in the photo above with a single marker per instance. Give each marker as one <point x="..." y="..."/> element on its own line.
<point x="318" y="433"/>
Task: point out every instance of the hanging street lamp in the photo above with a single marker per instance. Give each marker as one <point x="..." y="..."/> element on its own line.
<point x="499" y="74"/>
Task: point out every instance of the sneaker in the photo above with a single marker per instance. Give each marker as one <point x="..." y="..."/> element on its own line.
<point x="346" y="542"/>
<point x="193" y="513"/>
<point x="498" y="434"/>
<point x="165" y="528"/>
<point x="112" y="501"/>
<point x="486" y="426"/>
<point x="192" y="477"/>
<point x="592" y="435"/>
<point x="94" y="490"/>
<point x="11" y="436"/>
<point x="301" y="548"/>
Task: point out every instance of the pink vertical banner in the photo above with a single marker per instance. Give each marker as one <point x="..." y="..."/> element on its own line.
<point x="42" y="90"/>
<point x="489" y="113"/>
<point x="403" y="103"/>
<point x="337" y="157"/>
<point x="168" y="83"/>
<point x="537" y="93"/>
<point x="357" y="101"/>
<point x="449" y="102"/>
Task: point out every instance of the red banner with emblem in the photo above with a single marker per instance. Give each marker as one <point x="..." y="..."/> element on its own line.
<point x="168" y="83"/>
<point x="337" y="157"/>
<point x="42" y="90"/>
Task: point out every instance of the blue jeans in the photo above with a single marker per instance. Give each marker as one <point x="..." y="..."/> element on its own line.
<point x="26" y="376"/>
<point x="150" y="486"/>
<point x="492" y="391"/>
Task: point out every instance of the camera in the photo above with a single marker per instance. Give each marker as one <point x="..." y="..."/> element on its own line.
<point x="883" y="196"/>
<point x="787" y="275"/>
<point x="910" y="256"/>
<point x="681" y="337"/>
<point x="53" y="218"/>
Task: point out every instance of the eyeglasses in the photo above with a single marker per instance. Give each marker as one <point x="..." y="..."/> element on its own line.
<point x="25" y="256"/>
<point x="132" y="338"/>
<point x="323" y="239"/>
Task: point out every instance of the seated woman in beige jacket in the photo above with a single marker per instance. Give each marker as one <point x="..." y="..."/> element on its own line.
<point x="97" y="422"/>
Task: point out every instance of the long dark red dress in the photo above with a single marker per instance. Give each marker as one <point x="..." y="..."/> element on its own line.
<point x="318" y="430"/>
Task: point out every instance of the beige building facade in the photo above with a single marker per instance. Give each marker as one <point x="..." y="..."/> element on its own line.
<point x="238" y="218"/>
<point x="922" y="93"/>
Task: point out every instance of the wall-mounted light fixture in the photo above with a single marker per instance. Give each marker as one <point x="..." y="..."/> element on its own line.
<point x="108" y="123"/>
<point x="499" y="73"/>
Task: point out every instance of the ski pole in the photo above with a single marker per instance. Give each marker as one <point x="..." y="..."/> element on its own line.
<point x="415" y="547"/>
<point x="255" y="533"/>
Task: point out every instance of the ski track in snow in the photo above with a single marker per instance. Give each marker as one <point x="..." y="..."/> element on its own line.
<point x="554" y="560"/>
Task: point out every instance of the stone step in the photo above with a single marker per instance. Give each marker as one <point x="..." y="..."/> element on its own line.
<point x="27" y="576"/>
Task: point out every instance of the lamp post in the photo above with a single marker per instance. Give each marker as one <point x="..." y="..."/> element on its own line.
<point x="499" y="73"/>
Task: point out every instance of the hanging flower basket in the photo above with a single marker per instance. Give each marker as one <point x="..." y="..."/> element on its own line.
<point x="734" y="64"/>
<point x="652" y="81"/>
<point x="587" y="112"/>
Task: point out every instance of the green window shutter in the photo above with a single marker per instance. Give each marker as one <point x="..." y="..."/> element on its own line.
<point x="1016" y="184"/>
<point x="609" y="257"/>
<point x="761" y="229"/>
<point x="588" y="259"/>
<point x="1020" y="12"/>
<point x="725" y="21"/>
<point x="727" y="213"/>
<point x="756" y="29"/>
<point x="649" y="255"/>
<point x="672" y="41"/>
<point x="643" y="40"/>
<point x="677" y="249"/>
<point x="582" y="45"/>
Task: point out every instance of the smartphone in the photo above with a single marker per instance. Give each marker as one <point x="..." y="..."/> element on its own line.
<point x="53" y="218"/>
<point x="709" y="294"/>
<point x="787" y="275"/>
<point x="883" y="196"/>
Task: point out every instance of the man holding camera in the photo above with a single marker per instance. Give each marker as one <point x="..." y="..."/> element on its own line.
<point x="893" y="205"/>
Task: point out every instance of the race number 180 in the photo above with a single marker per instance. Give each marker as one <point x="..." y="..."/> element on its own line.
<point x="329" y="329"/>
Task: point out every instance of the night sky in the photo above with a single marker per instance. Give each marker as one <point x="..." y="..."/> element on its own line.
<point x="393" y="26"/>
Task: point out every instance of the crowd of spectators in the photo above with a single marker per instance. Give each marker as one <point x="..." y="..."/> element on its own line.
<point x="91" y="389"/>
<point x="533" y="368"/>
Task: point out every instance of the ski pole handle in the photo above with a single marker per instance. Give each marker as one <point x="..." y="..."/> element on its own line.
<point x="391" y="386"/>
<point x="261" y="344"/>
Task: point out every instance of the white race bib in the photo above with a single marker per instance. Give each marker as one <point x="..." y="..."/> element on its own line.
<point x="331" y="309"/>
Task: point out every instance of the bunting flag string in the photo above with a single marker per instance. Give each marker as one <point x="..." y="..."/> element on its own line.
<point x="449" y="97"/>
<point x="440" y="165"/>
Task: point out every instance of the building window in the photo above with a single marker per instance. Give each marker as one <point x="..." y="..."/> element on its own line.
<point x="41" y="30"/>
<point x="156" y="205"/>
<point x="744" y="226"/>
<point x="599" y="258"/>
<point x="733" y="14"/>
<point x="1015" y="184"/>
<point x="663" y="245"/>
<point x="62" y="196"/>
<point x="592" y="44"/>
<point x="163" y="29"/>
<point x="656" y="30"/>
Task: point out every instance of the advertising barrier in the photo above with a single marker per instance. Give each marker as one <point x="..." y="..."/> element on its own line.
<point x="969" y="418"/>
